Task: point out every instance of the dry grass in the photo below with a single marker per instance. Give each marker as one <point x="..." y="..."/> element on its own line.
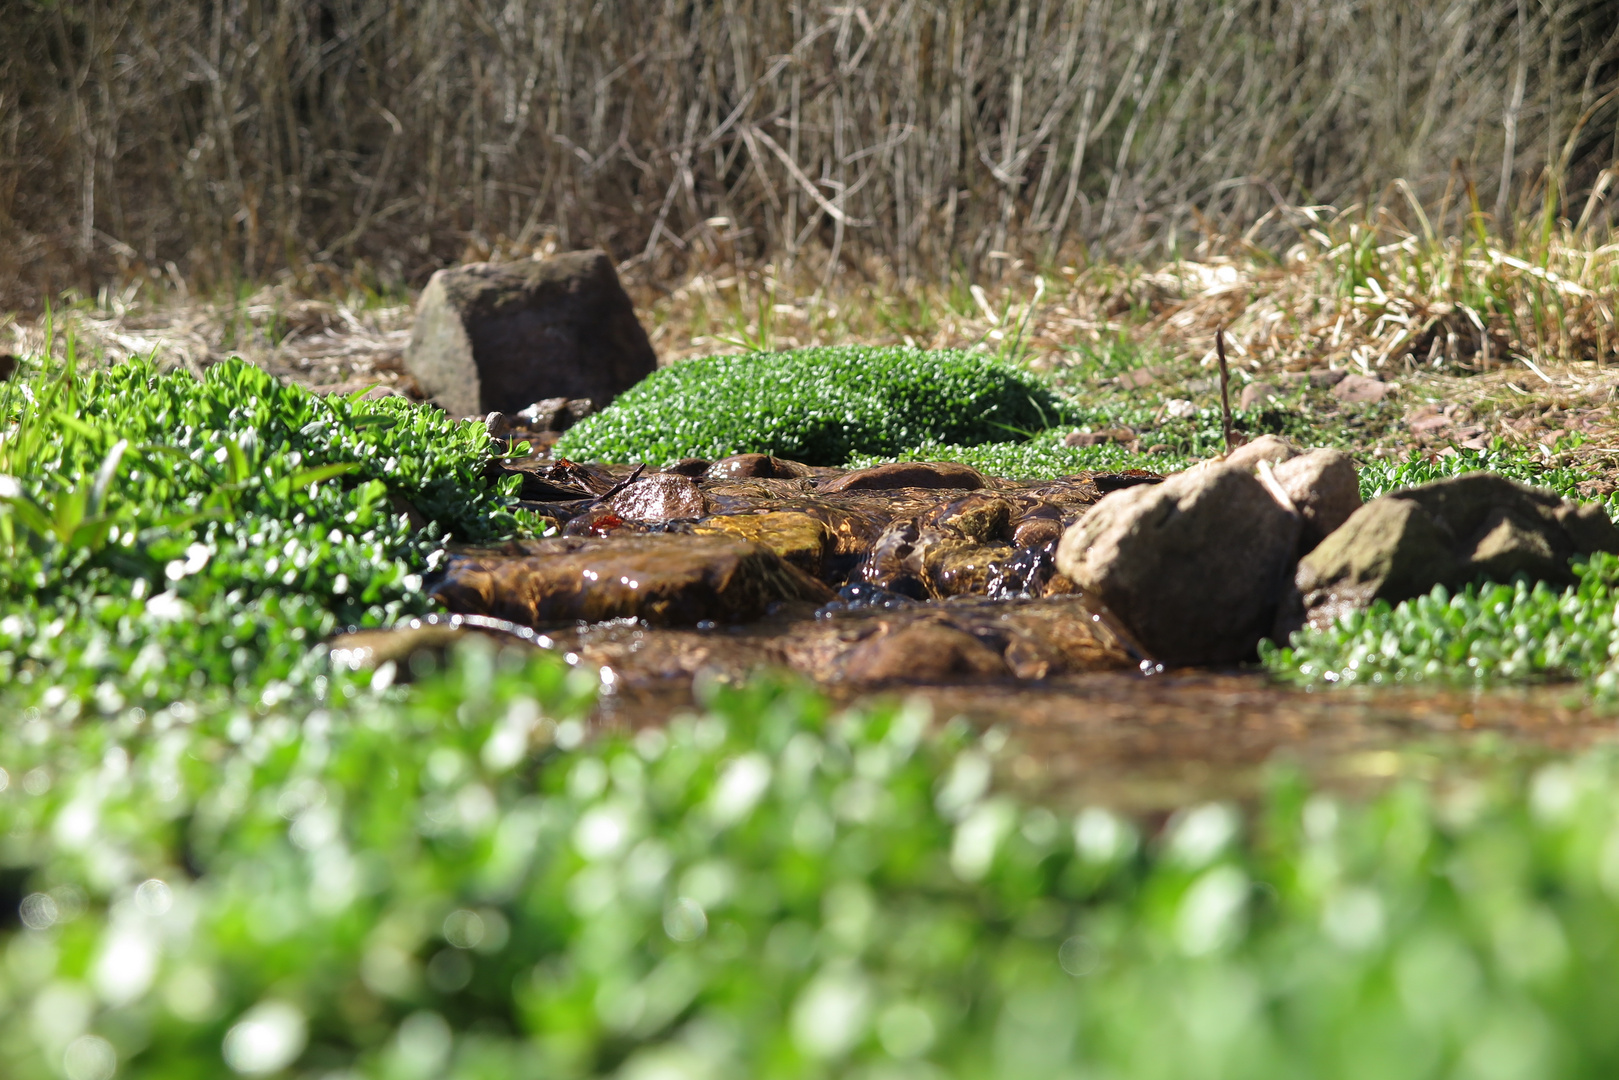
<point x="245" y="139"/>
<point x="1483" y="338"/>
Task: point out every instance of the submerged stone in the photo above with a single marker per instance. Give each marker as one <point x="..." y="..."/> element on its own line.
<point x="660" y="497"/>
<point x="799" y="539"/>
<point x="662" y="578"/>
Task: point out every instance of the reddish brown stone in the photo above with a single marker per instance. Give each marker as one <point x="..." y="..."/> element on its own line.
<point x="909" y="474"/>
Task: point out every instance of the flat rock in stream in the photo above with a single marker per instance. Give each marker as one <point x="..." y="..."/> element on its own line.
<point x="964" y="640"/>
<point x="908" y="474"/>
<point x="662" y="578"/>
<point x="660" y="497"/>
<point x="764" y="466"/>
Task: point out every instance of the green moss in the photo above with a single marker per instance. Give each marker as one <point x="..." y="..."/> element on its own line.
<point x="820" y="406"/>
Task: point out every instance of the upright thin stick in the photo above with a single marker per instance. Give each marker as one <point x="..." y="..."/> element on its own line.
<point x="1225" y="390"/>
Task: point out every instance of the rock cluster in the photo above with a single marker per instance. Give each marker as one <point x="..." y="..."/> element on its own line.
<point x="916" y="571"/>
<point x="1450" y="532"/>
<point x="1269" y="538"/>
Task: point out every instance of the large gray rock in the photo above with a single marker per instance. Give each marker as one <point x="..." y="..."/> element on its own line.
<point x="497" y="338"/>
<point x="1450" y="532"/>
<point x="1194" y="567"/>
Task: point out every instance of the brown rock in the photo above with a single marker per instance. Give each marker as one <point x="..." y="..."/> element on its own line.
<point x="981" y="516"/>
<point x="1271" y="448"/>
<point x="1256" y="394"/>
<point x="909" y="474"/>
<point x="691" y="466"/>
<point x="491" y="337"/>
<point x="922" y="651"/>
<point x="1450" y="532"/>
<point x="1036" y="531"/>
<point x="1325" y="489"/>
<point x="553" y="414"/>
<point x="797" y="538"/>
<point x="1194" y="567"/>
<point x="1360" y="389"/>
<point x="660" y="497"/>
<point x="763" y="466"/>
<point x="664" y="578"/>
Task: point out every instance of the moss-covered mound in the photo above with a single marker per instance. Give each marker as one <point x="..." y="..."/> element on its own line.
<point x="815" y="405"/>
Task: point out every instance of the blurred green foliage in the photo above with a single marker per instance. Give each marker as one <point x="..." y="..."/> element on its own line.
<point x="450" y="881"/>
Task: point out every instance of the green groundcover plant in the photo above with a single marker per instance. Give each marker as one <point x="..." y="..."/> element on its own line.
<point x="1487" y="633"/>
<point x="819" y="406"/>
<point x="223" y="854"/>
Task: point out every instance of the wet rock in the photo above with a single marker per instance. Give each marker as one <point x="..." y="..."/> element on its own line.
<point x="597" y="521"/>
<point x="419" y="646"/>
<point x="799" y="539"/>
<point x="660" y="497"/>
<point x="1325" y="490"/>
<point x="554" y="414"/>
<point x="1118" y="481"/>
<point x="1036" y="532"/>
<point x="1029" y="572"/>
<point x="908" y="474"/>
<point x="1031" y="640"/>
<point x="930" y="561"/>
<point x="921" y="651"/>
<point x="551" y="416"/>
<point x="500" y="337"/>
<point x="559" y="481"/>
<point x="740" y="466"/>
<point x="662" y="578"/>
<point x="981" y="517"/>
<point x="691" y="466"/>
<point x="1361" y="389"/>
<point x="1195" y="566"/>
<point x="1450" y="532"/>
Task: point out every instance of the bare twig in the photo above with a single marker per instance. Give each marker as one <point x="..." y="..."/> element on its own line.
<point x="1225" y="391"/>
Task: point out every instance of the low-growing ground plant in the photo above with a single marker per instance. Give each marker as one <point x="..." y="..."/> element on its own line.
<point x="1484" y="634"/>
<point x="819" y="406"/>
